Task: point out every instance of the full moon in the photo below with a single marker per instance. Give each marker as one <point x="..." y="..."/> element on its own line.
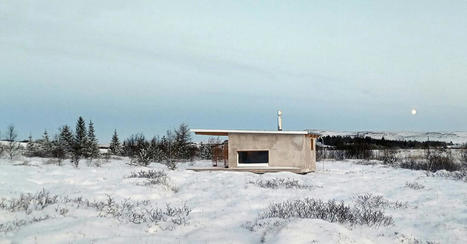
<point x="414" y="111"/>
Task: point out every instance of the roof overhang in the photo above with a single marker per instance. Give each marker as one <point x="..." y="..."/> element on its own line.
<point x="227" y="132"/>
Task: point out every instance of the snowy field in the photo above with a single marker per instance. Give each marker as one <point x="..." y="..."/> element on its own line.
<point x="223" y="204"/>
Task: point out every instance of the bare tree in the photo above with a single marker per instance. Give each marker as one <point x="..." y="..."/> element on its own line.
<point x="12" y="147"/>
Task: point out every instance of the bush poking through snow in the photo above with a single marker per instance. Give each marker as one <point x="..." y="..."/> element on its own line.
<point x="140" y="212"/>
<point x="331" y="211"/>
<point x="151" y="174"/>
<point x="454" y="175"/>
<point x="434" y="160"/>
<point x="143" y="157"/>
<point x="17" y="224"/>
<point x="62" y="211"/>
<point x="370" y="201"/>
<point x="437" y="162"/>
<point x="29" y="202"/>
<point x="276" y="183"/>
<point x="389" y="156"/>
<point x="414" y="185"/>
<point x="137" y="212"/>
<point x="154" y="177"/>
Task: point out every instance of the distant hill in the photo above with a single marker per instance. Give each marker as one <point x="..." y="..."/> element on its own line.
<point x="459" y="137"/>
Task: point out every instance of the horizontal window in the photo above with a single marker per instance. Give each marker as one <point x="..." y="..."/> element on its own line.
<point x="253" y="157"/>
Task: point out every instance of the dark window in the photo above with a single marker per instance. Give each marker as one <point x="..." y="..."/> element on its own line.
<point x="253" y="157"/>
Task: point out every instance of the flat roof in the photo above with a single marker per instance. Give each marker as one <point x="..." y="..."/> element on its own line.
<point x="227" y="132"/>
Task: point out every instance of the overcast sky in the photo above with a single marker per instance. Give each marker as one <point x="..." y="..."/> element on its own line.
<point x="146" y="66"/>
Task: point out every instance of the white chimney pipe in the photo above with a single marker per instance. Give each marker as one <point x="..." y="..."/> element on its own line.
<point x="279" y="120"/>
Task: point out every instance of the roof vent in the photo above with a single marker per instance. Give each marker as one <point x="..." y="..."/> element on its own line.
<point x="279" y="120"/>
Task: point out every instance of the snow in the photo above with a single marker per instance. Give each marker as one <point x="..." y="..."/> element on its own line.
<point x="223" y="202"/>
<point x="319" y="231"/>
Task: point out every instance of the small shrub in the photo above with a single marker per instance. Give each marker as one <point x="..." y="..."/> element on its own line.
<point x="17" y="224"/>
<point x="149" y="174"/>
<point x="170" y="163"/>
<point x="414" y="185"/>
<point x="365" y="162"/>
<point x="370" y="201"/>
<point x="154" y="177"/>
<point x="413" y="163"/>
<point x="433" y="161"/>
<point x="441" y="161"/>
<point x="331" y="211"/>
<point x="279" y="183"/>
<point x="75" y="158"/>
<point x="62" y="211"/>
<point x="389" y="156"/>
<point x="136" y="212"/>
<point x="454" y="175"/>
<point x="29" y="202"/>
<point x="142" y="157"/>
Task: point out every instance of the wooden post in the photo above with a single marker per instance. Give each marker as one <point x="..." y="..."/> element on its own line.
<point x="225" y="148"/>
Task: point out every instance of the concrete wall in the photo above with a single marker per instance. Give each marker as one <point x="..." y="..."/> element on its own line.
<point x="284" y="150"/>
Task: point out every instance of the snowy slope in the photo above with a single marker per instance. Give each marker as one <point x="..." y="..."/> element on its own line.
<point x="455" y="137"/>
<point x="222" y="202"/>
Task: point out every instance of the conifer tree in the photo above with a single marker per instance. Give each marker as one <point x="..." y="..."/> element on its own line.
<point x="81" y="137"/>
<point x="93" y="146"/>
<point x="115" y="147"/>
<point x="66" y="138"/>
<point x="183" y="144"/>
<point x="80" y="141"/>
<point x="31" y="149"/>
<point x="59" y="149"/>
<point x="45" y="145"/>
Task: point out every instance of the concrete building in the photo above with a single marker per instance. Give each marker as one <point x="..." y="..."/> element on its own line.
<point x="264" y="151"/>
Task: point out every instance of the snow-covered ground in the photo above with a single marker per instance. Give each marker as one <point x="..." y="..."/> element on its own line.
<point x="223" y="203"/>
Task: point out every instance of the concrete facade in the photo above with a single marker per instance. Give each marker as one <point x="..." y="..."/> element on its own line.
<point x="285" y="150"/>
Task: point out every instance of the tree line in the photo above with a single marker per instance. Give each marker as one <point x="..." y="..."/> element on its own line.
<point x="174" y="146"/>
<point x="82" y="143"/>
<point x="75" y="145"/>
<point x="347" y="147"/>
<point x="348" y="142"/>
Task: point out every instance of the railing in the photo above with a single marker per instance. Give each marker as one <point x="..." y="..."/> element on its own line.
<point x="220" y="153"/>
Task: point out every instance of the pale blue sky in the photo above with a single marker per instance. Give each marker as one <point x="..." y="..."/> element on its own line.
<point x="146" y="66"/>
